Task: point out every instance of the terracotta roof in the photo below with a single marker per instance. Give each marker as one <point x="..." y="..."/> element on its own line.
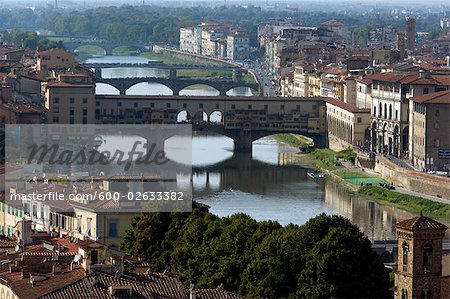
<point x="442" y="79"/>
<point x="6" y="242"/>
<point x="217" y="293"/>
<point x="441" y="97"/>
<point x="346" y="106"/>
<point x="421" y="223"/>
<point x="64" y="84"/>
<point x="22" y="108"/>
<point x="155" y="285"/>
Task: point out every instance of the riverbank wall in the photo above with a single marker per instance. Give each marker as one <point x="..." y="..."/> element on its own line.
<point x="412" y="180"/>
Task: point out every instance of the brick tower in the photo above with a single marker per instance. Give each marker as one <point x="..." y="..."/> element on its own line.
<point x="419" y="272"/>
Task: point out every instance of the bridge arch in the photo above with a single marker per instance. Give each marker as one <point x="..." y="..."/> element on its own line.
<point x="106" y="89"/>
<point x="164" y="89"/>
<point x="183" y="116"/>
<point x="79" y="48"/>
<point x="229" y="91"/>
<point x="185" y="90"/>
<point x="216" y="117"/>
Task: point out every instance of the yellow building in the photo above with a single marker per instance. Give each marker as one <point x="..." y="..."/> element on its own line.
<point x="70" y="99"/>
<point x="54" y="59"/>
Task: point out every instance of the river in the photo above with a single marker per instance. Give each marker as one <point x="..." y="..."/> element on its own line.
<point x="265" y="184"/>
<point x="151" y="88"/>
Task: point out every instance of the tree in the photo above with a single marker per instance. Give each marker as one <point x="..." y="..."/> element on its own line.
<point x="327" y="256"/>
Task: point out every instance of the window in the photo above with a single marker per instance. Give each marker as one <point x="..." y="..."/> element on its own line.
<point x="55" y="100"/>
<point x="55" y="110"/>
<point x="436" y="125"/>
<point x="184" y="105"/>
<point x="84" y="100"/>
<point x="405" y="250"/>
<point x="374" y="110"/>
<point x="266" y="107"/>
<point x="436" y="113"/>
<point x="97" y="103"/>
<point x="436" y="143"/>
<point x="119" y="104"/>
<point x="359" y="120"/>
<point x="427" y="255"/>
<point x="200" y="106"/>
<point x="56" y="119"/>
<point x="85" y="111"/>
<point x="426" y="90"/>
<point x="249" y="106"/>
<point x="112" y="228"/>
<point x="72" y="100"/>
<point x="282" y="107"/>
<point x="152" y="105"/>
<point x="233" y="106"/>
<point x="88" y="227"/>
<point x="217" y="106"/>
<point x="167" y="105"/>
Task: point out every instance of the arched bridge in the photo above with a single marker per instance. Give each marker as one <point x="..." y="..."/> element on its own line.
<point x="176" y="85"/>
<point x="105" y="45"/>
<point x="243" y="119"/>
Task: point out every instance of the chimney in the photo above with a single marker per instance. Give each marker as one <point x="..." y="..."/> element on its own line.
<point x="192" y="292"/>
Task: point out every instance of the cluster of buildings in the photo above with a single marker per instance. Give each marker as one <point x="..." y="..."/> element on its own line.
<point x="213" y="39"/>
<point x="46" y="266"/>
<point x="391" y="98"/>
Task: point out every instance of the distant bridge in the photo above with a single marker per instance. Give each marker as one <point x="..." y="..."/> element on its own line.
<point x="175" y="85"/>
<point x="108" y="47"/>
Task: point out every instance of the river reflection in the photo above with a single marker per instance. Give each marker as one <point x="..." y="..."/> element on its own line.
<point x="266" y="190"/>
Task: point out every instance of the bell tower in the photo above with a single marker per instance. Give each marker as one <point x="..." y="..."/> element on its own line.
<point x="419" y="272"/>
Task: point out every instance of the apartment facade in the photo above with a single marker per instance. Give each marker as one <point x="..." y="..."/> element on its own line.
<point x="430" y="126"/>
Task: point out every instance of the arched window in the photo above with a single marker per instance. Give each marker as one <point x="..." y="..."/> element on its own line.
<point x="385" y="110"/>
<point x="423" y="295"/>
<point x="390" y="111"/>
<point x="405" y="248"/>
<point x="374" y="110"/>
<point x="404" y="294"/>
<point x="381" y="110"/>
<point x="427" y="252"/>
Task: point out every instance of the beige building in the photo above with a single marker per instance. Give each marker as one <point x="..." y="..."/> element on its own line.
<point x="430" y="126"/>
<point x="187" y="39"/>
<point x="348" y="126"/>
<point x="237" y="45"/>
<point x="364" y="93"/>
<point x="54" y="59"/>
<point x="70" y="99"/>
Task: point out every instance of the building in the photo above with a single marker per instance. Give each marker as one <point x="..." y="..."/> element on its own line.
<point x="237" y="46"/>
<point x="21" y="113"/>
<point x="422" y="270"/>
<point x="430" y="127"/>
<point x="53" y="59"/>
<point x="348" y="126"/>
<point x="411" y="33"/>
<point x="214" y="39"/>
<point x="53" y="268"/>
<point x="70" y="99"/>
<point x="364" y="92"/>
<point x="187" y="40"/>
<point x="391" y="126"/>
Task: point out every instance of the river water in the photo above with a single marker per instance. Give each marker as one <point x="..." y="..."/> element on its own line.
<point x="265" y="184"/>
<point x="151" y="88"/>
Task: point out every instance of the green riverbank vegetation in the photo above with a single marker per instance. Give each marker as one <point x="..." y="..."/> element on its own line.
<point x="414" y="203"/>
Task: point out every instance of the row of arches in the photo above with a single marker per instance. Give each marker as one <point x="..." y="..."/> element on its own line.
<point x="216" y="117"/>
<point x="341" y="129"/>
<point x="145" y="88"/>
<point x="386" y="113"/>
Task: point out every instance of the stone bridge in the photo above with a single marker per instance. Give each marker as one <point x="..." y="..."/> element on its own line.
<point x="243" y="119"/>
<point x="105" y="45"/>
<point x="176" y="85"/>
